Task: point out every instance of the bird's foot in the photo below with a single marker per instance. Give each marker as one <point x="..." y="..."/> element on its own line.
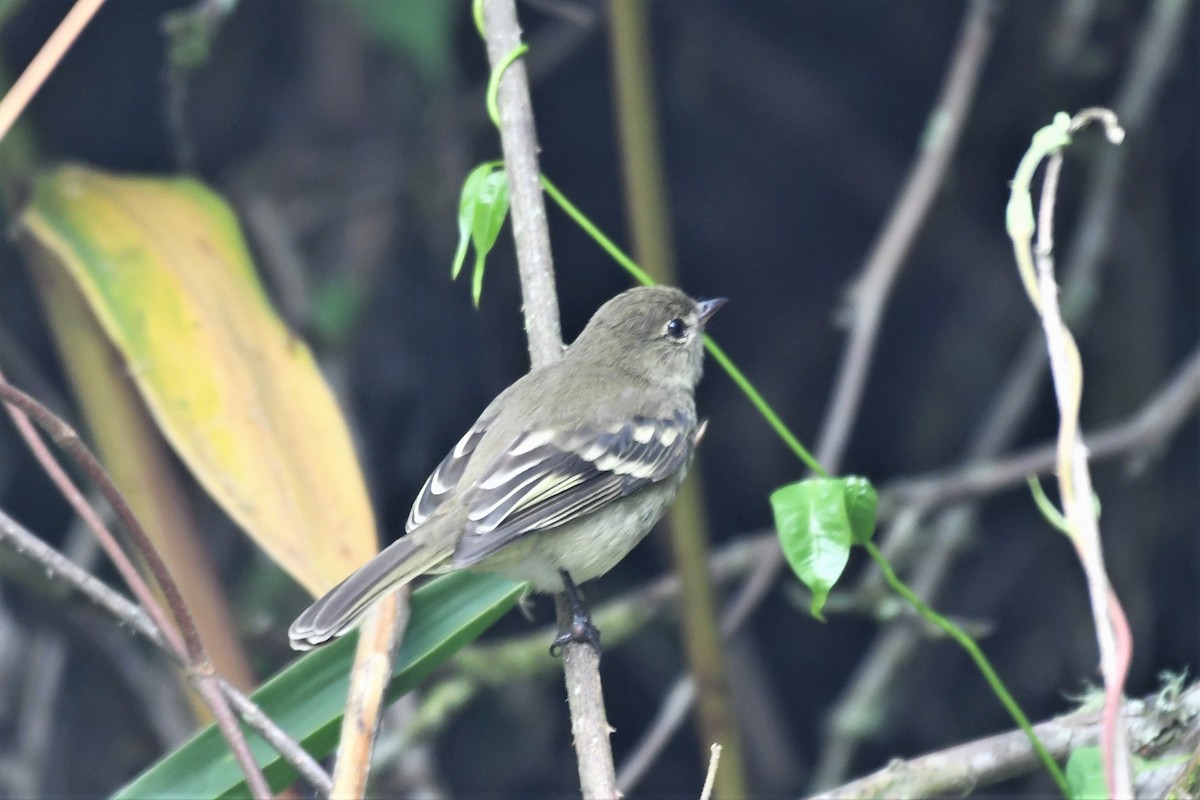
<point x="580" y="629"/>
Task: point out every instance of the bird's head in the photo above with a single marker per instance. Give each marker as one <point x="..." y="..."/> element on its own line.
<point x="652" y="331"/>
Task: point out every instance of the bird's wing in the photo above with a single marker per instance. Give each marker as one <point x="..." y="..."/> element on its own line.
<point x="548" y="477"/>
<point x="446" y="476"/>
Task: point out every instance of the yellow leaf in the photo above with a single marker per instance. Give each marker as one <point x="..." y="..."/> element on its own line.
<point x="163" y="266"/>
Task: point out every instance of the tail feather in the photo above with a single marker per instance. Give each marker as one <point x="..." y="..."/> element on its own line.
<point x="341" y="608"/>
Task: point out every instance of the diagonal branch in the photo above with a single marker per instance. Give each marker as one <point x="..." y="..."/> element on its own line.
<point x="24" y="409"/>
<point x="136" y="619"/>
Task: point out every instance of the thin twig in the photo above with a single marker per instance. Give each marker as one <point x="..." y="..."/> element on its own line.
<point x="287" y="747"/>
<point x="368" y="683"/>
<point x="130" y="615"/>
<point x="200" y="667"/>
<point x="14" y="536"/>
<point x="35" y="74"/>
<point x="872" y="289"/>
<point x="518" y="139"/>
<point x="1152" y="424"/>
<point x="710" y="778"/>
<point x="74" y="497"/>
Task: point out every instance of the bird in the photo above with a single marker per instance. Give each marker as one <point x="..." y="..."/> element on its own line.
<point x="563" y="473"/>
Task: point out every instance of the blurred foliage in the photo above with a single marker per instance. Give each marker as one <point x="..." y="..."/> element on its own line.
<point x="421" y="31"/>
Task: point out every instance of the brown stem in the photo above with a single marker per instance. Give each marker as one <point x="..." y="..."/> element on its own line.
<point x="518" y="137"/>
<point x="92" y="520"/>
<point x="136" y="619"/>
<point x="26" y="86"/>
<point x="1155" y="722"/>
<point x="199" y="665"/>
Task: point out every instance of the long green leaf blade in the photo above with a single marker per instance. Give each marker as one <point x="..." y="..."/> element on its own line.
<point x="307" y="698"/>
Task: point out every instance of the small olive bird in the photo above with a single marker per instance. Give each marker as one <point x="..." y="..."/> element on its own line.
<point x="564" y="472"/>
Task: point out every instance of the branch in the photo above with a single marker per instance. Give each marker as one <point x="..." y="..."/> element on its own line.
<point x="1143" y="430"/>
<point x="135" y="618"/>
<point x="872" y="289"/>
<point x="26" y="86"/>
<point x="23" y="409"/>
<point x="1156" y="723"/>
<point x="518" y="137"/>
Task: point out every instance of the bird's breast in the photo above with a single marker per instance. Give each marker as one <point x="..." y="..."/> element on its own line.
<point x="588" y="547"/>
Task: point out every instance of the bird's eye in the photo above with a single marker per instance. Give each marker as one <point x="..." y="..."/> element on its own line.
<point x="677" y="329"/>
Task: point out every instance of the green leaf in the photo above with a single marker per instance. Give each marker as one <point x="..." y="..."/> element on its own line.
<point x="466" y="215"/>
<point x="818" y="520"/>
<point x="482" y="208"/>
<point x="308" y="697"/>
<point x="861" y="502"/>
<point x="491" y="209"/>
<point x="1085" y="774"/>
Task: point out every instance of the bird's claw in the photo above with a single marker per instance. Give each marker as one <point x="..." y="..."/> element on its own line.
<point x="580" y="630"/>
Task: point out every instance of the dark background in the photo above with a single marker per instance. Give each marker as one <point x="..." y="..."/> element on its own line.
<point x="787" y="129"/>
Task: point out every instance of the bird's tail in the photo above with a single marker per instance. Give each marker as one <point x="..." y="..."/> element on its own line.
<point x="341" y="608"/>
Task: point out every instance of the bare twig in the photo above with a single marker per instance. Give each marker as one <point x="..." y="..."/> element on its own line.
<point x="368" y="682"/>
<point x="1155" y="722"/>
<point x="1143" y="430"/>
<point x="24" y="543"/>
<point x="45" y="61"/>
<point x="518" y="137"/>
<point x="91" y="519"/>
<point x="134" y="617"/>
<point x="711" y="777"/>
<point x="872" y="289"/>
<point x="200" y="667"/>
<point x="287" y="747"/>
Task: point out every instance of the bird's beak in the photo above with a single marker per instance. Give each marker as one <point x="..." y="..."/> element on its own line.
<point x="710" y="307"/>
